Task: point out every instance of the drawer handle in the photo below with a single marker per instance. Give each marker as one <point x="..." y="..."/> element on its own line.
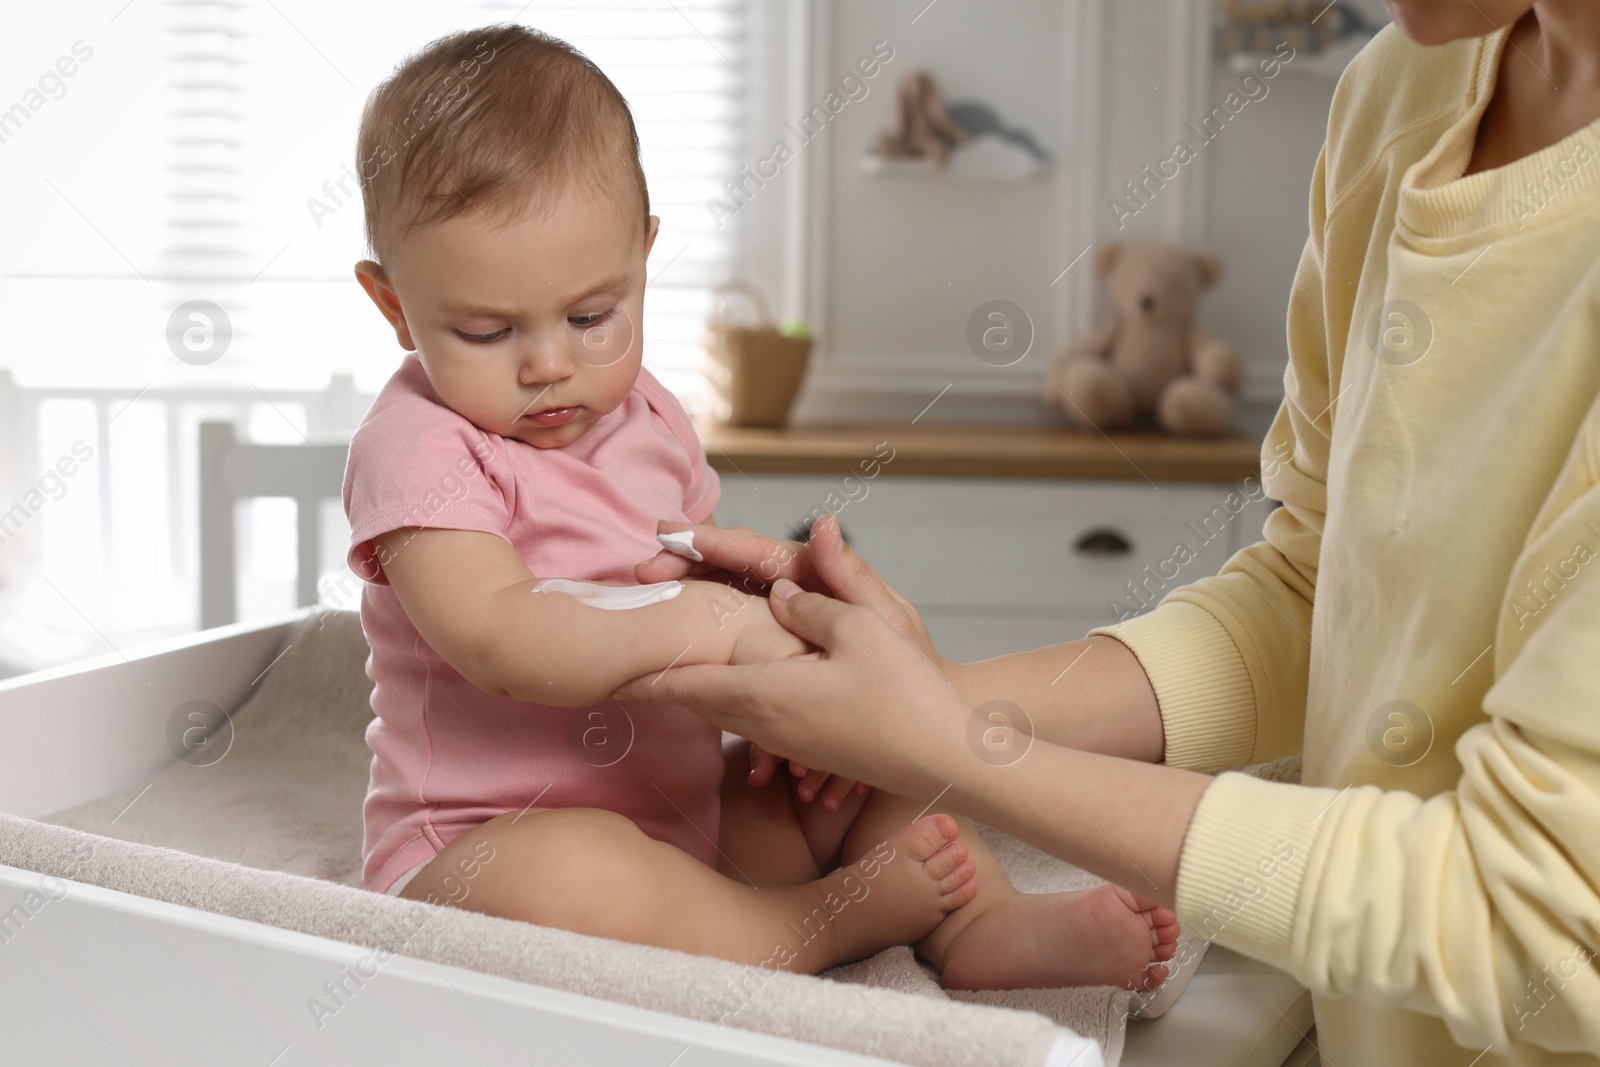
<point x="1103" y="541"/>
<point x="801" y="531"/>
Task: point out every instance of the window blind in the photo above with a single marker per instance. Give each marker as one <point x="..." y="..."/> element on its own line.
<point x="168" y="151"/>
<point x="204" y="151"/>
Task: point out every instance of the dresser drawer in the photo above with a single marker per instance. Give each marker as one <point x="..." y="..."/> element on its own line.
<point x="1025" y="543"/>
<point x="973" y="636"/>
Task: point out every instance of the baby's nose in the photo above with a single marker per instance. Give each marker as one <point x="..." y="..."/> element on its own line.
<point x="546" y="365"/>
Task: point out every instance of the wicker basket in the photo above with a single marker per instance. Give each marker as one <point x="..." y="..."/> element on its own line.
<point x="755" y="371"/>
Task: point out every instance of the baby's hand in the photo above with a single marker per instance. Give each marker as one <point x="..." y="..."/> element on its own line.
<point x="830" y="787"/>
<point x="761" y="637"/>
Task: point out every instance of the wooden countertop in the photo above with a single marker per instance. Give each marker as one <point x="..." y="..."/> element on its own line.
<point x="984" y="451"/>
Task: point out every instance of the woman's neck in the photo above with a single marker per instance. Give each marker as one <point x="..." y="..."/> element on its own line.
<point x="1568" y="42"/>
<point x="1548" y="85"/>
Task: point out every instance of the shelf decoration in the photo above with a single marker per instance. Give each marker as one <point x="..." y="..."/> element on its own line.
<point x="755" y="366"/>
<point x="1247" y="29"/>
<point x="965" y="140"/>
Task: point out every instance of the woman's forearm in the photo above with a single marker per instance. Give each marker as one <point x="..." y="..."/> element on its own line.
<point x="1101" y="702"/>
<point x="873" y="708"/>
<point x="1089" y="694"/>
<point x="1119" y="818"/>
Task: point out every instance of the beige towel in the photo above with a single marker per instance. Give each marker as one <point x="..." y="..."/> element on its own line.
<point x="287" y="797"/>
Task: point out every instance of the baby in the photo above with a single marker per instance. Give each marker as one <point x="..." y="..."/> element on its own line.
<point x="500" y="491"/>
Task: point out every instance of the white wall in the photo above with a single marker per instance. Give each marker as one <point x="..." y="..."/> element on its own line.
<point x="908" y="259"/>
<point x="891" y="307"/>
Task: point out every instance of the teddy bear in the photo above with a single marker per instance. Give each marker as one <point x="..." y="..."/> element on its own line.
<point x="1153" y="359"/>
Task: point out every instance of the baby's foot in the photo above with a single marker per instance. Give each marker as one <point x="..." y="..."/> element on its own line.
<point x="900" y="890"/>
<point x="1101" y="936"/>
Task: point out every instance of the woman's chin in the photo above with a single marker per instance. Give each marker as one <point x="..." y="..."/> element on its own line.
<point x="1430" y="22"/>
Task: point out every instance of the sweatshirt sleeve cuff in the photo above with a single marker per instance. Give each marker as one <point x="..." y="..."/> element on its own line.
<point x="1243" y="863"/>
<point x="1204" y="689"/>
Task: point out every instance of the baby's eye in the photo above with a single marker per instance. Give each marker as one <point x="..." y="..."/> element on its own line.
<point x="584" y="322"/>
<point x="483" y="338"/>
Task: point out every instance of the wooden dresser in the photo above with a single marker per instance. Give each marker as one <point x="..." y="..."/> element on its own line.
<point x="1005" y="538"/>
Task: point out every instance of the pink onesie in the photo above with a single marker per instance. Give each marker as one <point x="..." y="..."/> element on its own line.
<point x="447" y="756"/>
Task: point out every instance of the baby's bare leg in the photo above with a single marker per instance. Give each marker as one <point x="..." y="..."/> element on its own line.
<point x="1006" y="939"/>
<point x="594" y="872"/>
<point x="770" y="838"/>
<point x="1002" y="939"/>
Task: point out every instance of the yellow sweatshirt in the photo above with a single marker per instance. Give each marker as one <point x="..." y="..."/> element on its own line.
<point x="1422" y="619"/>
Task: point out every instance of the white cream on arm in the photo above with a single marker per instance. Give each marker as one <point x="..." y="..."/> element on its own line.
<point x="611" y="597"/>
<point x="681" y="544"/>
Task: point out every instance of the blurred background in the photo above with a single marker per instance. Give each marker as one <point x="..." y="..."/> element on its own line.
<point x="154" y="153"/>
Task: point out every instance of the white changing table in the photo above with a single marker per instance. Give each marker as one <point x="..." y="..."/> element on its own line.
<point x="104" y="977"/>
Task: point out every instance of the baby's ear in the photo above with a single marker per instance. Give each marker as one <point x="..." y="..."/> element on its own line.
<point x="375" y="280"/>
<point x="652" y="227"/>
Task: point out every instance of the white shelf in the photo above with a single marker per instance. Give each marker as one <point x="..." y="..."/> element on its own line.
<point x="987" y="159"/>
<point x="1328" y="63"/>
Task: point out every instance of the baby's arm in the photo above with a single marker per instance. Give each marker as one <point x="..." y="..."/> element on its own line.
<point x="470" y="596"/>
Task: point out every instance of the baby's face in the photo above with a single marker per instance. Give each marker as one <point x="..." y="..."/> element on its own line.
<point x="531" y="329"/>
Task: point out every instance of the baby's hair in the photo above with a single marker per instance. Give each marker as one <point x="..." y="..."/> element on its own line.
<point x="498" y="120"/>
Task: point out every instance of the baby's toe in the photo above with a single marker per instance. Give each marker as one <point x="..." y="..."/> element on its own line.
<point x="925" y="837"/>
<point x="947" y="859"/>
<point x="958" y="887"/>
<point x="960" y="875"/>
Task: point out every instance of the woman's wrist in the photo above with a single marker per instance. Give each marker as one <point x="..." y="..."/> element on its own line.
<point x="954" y="673"/>
<point x="963" y="679"/>
<point x="938" y="752"/>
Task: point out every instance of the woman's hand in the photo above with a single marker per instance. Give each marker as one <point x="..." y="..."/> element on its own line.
<point x="870" y="707"/>
<point x="753" y="561"/>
